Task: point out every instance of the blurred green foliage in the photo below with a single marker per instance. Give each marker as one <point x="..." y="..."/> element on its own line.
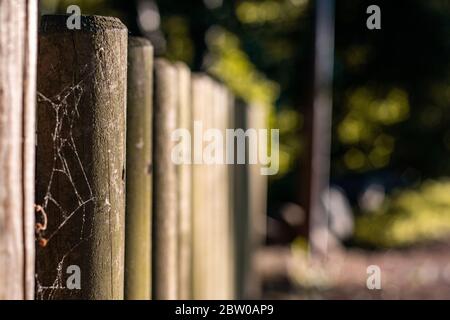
<point x="248" y="45"/>
<point x="391" y="88"/>
<point x="263" y="12"/>
<point x="362" y="128"/>
<point x="227" y="61"/>
<point x="391" y="85"/>
<point x="391" y="94"/>
<point x="409" y="217"/>
<point x="179" y="43"/>
<point x="241" y="43"/>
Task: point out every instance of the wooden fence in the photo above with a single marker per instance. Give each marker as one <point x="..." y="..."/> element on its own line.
<point x="115" y="216"/>
<point x="18" y="41"/>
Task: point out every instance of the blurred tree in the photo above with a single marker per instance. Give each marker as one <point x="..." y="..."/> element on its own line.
<point x="391" y="89"/>
<point x="390" y="112"/>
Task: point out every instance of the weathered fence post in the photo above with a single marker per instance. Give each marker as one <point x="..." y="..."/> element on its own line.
<point x="213" y="276"/>
<point x="249" y="201"/>
<point x="228" y="189"/>
<point x="18" y="39"/>
<point x="257" y="183"/>
<point x="184" y="185"/>
<point x="222" y="219"/>
<point x="231" y="253"/>
<point x="138" y="173"/>
<point x="200" y="192"/>
<point x="215" y="214"/>
<point x="241" y="208"/>
<point x="210" y="191"/>
<point x="165" y="222"/>
<point x="80" y="187"/>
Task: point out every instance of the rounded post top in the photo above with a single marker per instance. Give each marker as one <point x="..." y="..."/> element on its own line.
<point x="89" y="24"/>
<point x="138" y="42"/>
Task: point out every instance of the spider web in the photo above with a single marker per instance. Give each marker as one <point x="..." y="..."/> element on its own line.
<point x="64" y="108"/>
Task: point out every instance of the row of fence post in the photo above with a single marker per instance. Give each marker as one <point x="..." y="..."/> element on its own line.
<point x="115" y="216"/>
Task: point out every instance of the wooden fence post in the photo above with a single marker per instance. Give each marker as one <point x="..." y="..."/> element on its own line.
<point x="138" y="173"/>
<point x="241" y="208"/>
<point x="228" y="190"/>
<point x="184" y="185"/>
<point x="210" y="199"/>
<point x="249" y="198"/>
<point x="257" y="184"/>
<point x="213" y="250"/>
<point x="18" y="39"/>
<point x="222" y="219"/>
<point x="217" y="251"/>
<point x="165" y="230"/>
<point x="80" y="187"/>
<point x="213" y="276"/>
<point x="199" y="194"/>
<point x="230" y="172"/>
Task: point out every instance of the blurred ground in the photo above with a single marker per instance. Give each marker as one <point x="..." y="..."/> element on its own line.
<point x="421" y="272"/>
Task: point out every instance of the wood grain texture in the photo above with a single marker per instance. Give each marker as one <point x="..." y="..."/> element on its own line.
<point x="241" y="208"/>
<point x="138" y="172"/>
<point x="231" y="252"/>
<point x="82" y="76"/>
<point x="214" y="213"/>
<point x="165" y="205"/>
<point x="200" y="192"/>
<point x="184" y="185"/>
<point x="257" y="118"/>
<point x="18" y="39"/>
<point x="210" y="198"/>
<point x="225" y="280"/>
<point x="229" y="291"/>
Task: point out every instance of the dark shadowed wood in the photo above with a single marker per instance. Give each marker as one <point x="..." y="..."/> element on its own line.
<point x="80" y="159"/>
<point x="241" y="206"/>
<point x="18" y="40"/>
<point x="165" y="221"/>
<point x="138" y="200"/>
<point x="231" y="190"/>
<point x="318" y="133"/>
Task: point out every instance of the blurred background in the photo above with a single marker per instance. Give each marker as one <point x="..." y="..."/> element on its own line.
<point x="377" y="168"/>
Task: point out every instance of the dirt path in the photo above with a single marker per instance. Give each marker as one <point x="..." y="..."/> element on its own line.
<point x="415" y="273"/>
